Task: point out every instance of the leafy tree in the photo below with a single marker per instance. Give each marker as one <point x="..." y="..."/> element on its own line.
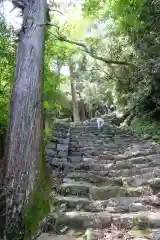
<point x="7" y="55"/>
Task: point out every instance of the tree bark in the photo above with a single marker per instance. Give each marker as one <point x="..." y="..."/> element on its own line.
<point x="82" y="110"/>
<point x="74" y="96"/>
<point x="25" y="132"/>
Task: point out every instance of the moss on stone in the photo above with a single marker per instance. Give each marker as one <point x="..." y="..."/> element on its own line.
<point x="141" y="223"/>
<point x="139" y="232"/>
<point x="38" y="205"/>
<point x="113" y="182"/>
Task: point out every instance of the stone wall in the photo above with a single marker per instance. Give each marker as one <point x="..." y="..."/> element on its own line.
<point x="56" y="150"/>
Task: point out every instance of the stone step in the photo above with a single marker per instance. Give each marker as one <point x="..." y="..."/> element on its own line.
<point x="93" y="178"/>
<point x="75" y="159"/>
<point x="125" y="164"/>
<point x="112" y="205"/>
<point x="144" y="234"/>
<point x="108" y="169"/>
<point x="114" y="177"/>
<point x="134" y="154"/>
<point x="130" y="172"/>
<point x="116" y="234"/>
<point x="51" y="236"/>
<point x="106" y="192"/>
<point x="86" y="189"/>
<point x="151" y="178"/>
<point x="74" y="188"/>
<point x="84" y="220"/>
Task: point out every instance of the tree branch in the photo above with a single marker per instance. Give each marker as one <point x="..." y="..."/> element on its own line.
<point x="56" y="10"/>
<point x="108" y="61"/>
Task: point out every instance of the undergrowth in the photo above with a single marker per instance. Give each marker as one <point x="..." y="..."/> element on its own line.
<point x="146" y="128"/>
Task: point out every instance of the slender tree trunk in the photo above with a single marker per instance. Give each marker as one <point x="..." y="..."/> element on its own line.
<point x="24" y="141"/>
<point x="82" y="110"/>
<point x="74" y="102"/>
<point x="74" y="96"/>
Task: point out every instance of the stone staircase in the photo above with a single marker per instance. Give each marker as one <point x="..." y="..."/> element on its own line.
<point x="106" y="185"/>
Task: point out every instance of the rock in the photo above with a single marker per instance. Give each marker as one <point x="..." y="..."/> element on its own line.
<point x="72" y="201"/>
<point x="65" y="141"/>
<point x="121" y="165"/>
<point x="50" y="236"/>
<point x="143" y="179"/>
<point x="77" y="188"/>
<point x="62" y="147"/>
<point x="51" y="145"/>
<point x="62" y="154"/>
<point x="155" y="234"/>
<point x="50" y="152"/>
<point x="75" y="159"/>
<point x="106" y="192"/>
<point x="140" y="238"/>
<point x="77" y="220"/>
<point x="84" y="176"/>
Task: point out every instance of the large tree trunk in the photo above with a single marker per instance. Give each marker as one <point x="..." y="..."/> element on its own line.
<point x="24" y="141"/>
<point x="74" y="96"/>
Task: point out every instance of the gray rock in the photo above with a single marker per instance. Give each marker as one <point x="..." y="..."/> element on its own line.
<point x="50" y="152"/>
<point x="76" y="189"/>
<point x="62" y="147"/>
<point x="106" y="192"/>
<point x="62" y="154"/>
<point x="51" y="145"/>
<point x="65" y="141"/>
<point x="76" y="220"/>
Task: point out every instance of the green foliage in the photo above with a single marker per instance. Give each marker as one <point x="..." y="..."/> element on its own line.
<point x="93" y="8"/>
<point x="7" y="59"/>
<point x="146" y="128"/>
<point x="133" y="36"/>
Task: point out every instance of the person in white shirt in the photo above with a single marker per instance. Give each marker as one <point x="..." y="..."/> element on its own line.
<point x="100" y="121"/>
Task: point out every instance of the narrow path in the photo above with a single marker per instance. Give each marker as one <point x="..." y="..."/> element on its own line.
<point x="110" y="188"/>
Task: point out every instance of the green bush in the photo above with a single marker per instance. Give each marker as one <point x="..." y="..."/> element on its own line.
<point x="146" y="128"/>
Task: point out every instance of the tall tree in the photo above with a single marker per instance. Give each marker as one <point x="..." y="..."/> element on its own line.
<point x="74" y="94"/>
<point x="25" y="140"/>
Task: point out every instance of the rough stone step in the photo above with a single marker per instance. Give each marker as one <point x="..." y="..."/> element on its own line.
<point x="133" y="154"/>
<point x="116" y="234"/>
<point x="75" y="159"/>
<point x="109" y="233"/>
<point x="101" y="193"/>
<point x="112" y="164"/>
<point x="93" y="178"/>
<point x="49" y="236"/>
<point x="91" y="165"/>
<point x="78" y="220"/>
<point x="151" y="178"/>
<point x="74" y="188"/>
<point x="130" y="172"/>
<point x="144" y="234"/>
<point x="137" y="160"/>
<point x="106" y="192"/>
<point x="112" y="205"/>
